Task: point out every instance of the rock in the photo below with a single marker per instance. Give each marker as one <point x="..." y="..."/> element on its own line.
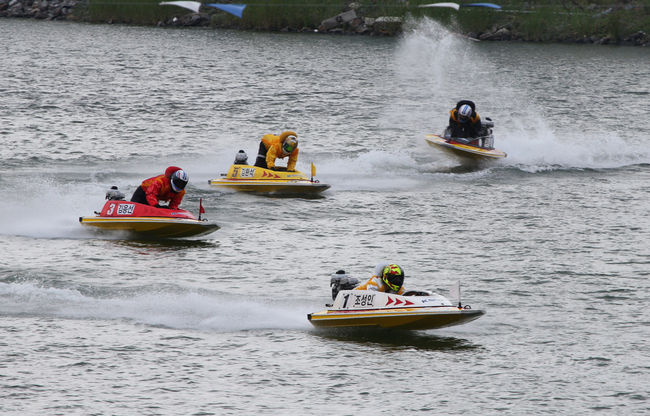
<point x="639" y="38"/>
<point x="337" y="21"/>
<point x="388" y="19"/>
<point x="605" y="41"/>
<point x="500" y="34"/>
<point x="387" y="25"/>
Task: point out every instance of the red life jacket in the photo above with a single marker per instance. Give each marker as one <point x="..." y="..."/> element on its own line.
<point x="159" y="188"/>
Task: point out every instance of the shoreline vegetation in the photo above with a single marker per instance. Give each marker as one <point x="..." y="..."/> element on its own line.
<point x="617" y="22"/>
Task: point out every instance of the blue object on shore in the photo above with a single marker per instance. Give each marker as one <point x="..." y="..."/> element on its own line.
<point x="490" y="5"/>
<point x="234" y="9"/>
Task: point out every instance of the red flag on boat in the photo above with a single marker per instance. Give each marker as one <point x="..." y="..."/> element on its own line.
<point x="201" y="210"/>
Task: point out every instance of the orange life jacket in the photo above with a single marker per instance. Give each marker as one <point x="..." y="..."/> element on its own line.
<point x="375" y="283"/>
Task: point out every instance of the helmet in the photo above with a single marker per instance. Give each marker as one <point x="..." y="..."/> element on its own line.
<point x="464" y="113"/>
<point x="290" y="144"/>
<point x="241" y="158"/>
<point x="393" y="276"/>
<point x="179" y="180"/>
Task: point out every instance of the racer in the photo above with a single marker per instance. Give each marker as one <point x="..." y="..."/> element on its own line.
<point x="388" y="278"/>
<point x="464" y="123"/>
<point x="167" y="187"/>
<point x="273" y="147"/>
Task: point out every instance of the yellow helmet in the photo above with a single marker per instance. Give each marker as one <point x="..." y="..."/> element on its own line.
<point x="393" y="277"/>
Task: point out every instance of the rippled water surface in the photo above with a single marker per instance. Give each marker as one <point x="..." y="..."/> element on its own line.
<point x="552" y="242"/>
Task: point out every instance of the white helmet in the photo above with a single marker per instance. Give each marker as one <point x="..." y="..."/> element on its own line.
<point x="241" y="158"/>
<point x="464" y="113"/>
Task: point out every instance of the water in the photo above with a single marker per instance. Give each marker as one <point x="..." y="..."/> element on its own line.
<point x="552" y="242"/>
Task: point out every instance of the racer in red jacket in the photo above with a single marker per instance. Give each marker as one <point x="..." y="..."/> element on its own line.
<point x="169" y="187"/>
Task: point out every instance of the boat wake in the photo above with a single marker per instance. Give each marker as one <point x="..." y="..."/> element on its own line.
<point x="434" y="68"/>
<point x="156" y="306"/>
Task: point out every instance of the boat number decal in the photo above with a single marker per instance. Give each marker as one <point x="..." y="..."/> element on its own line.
<point x="247" y="172"/>
<point x="125" y="209"/>
<point x="364" y="300"/>
<point x="359" y="300"/>
<point x="111" y="208"/>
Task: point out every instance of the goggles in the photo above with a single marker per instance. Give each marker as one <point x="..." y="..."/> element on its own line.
<point x="288" y="147"/>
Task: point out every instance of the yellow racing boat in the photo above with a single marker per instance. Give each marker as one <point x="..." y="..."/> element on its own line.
<point x="468" y="151"/>
<point x="260" y="180"/>
<point x="463" y="151"/>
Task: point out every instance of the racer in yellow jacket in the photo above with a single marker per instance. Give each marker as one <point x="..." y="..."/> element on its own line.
<point x="273" y="147"/>
<point x="388" y="278"/>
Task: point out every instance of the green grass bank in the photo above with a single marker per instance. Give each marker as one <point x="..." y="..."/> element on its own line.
<point x="594" y="21"/>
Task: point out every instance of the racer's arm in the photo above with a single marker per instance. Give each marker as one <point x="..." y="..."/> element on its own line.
<point x="371" y="284"/>
<point x="153" y="191"/>
<point x="476" y="126"/>
<point x="293" y="158"/>
<point x="176" y="200"/>
<point x="271" y="155"/>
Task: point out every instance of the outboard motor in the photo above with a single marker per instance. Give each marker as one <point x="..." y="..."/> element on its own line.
<point x="114" y="195"/>
<point x="241" y="158"/>
<point x="486" y="133"/>
<point x="341" y="281"/>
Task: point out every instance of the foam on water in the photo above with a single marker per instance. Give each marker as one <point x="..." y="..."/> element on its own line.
<point x="173" y="308"/>
<point x="436" y="68"/>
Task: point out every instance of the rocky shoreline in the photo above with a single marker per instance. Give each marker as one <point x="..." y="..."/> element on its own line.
<point x="39" y="9"/>
<point x="349" y="22"/>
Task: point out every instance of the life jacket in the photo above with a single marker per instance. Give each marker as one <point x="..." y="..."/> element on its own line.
<point x="274" y="150"/>
<point x="159" y="188"/>
<point x="375" y="283"/>
<point x="473" y="119"/>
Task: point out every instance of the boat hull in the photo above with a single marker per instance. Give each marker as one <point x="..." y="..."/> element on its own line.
<point x="367" y="309"/>
<point x="152" y="227"/>
<point x="462" y="151"/>
<point x="407" y="318"/>
<point x="255" y="179"/>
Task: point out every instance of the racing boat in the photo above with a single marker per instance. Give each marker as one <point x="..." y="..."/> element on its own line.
<point x="468" y="150"/>
<point x="242" y="177"/>
<point x="414" y="310"/>
<point x="147" y="221"/>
